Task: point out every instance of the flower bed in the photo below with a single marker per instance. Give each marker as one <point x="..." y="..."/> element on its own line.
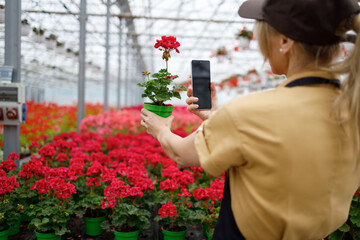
<point x="45" y="120"/>
<point x="112" y="166"/>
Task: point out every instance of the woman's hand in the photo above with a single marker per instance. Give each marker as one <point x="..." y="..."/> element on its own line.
<point x="203" y="114"/>
<point x="155" y="124"/>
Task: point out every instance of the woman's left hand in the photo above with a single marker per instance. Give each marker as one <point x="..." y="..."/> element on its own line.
<point x="154" y="123"/>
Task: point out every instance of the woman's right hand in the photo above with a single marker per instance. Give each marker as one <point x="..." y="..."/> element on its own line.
<point x="203" y="114"/>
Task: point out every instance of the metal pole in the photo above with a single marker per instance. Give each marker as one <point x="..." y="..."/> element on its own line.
<point x="135" y="80"/>
<point x="118" y="106"/>
<point x="12" y="58"/>
<point x="107" y="47"/>
<point x="82" y="52"/>
<point x="127" y="74"/>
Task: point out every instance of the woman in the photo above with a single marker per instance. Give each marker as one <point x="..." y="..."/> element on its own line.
<point x="291" y="154"/>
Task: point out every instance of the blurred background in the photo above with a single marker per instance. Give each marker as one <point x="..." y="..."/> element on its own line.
<point x="120" y="37"/>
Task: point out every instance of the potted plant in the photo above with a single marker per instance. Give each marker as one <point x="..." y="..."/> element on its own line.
<point x="53" y="212"/>
<point x="128" y="215"/>
<point x="60" y="49"/>
<point x="39" y="35"/>
<point x="25" y="27"/>
<point x="51" y="42"/>
<point x="2" y="13"/>
<point x="221" y="53"/>
<point x="174" y="220"/>
<point x="157" y="88"/>
<point x="9" y="209"/>
<point x="29" y="173"/>
<point x="176" y="212"/>
<point x="244" y="36"/>
<point x="207" y="201"/>
<point x="89" y="197"/>
<point x="69" y="53"/>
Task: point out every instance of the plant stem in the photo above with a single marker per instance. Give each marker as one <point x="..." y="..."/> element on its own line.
<point x="166" y="65"/>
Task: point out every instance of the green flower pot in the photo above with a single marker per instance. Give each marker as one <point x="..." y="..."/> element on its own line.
<point x="168" y="235"/>
<point x="47" y="236"/>
<point x="13" y="230"/>
<point x="126" y="235"/>
<point x="4" y="234"/>
<point x="93" y="225"/>
<point x="162" y="111"/>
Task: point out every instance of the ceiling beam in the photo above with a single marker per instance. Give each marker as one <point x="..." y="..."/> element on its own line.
<point x="130" y="16"/>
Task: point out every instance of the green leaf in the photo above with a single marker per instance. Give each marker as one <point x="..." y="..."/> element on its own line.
<point x="177" y="95"/>
<point x="337" y="235"/>
<point x="344" y="228"/>
<point x="45" y="220"/>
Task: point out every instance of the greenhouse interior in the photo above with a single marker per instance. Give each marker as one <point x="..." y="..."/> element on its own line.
<point x="76" y="158"/>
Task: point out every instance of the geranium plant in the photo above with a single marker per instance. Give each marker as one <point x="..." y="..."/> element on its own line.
<point x="90" y="190"/>
<point x="157" y="88"/>
<point x="54" y="210"/>
<point x="245" y="33"/>
<point x="176" y="211"/>
<point x="207" y="201"/>
<point x="221" y="53"/>
<point x="128" y="214"/>
<point x="9" y="209"/>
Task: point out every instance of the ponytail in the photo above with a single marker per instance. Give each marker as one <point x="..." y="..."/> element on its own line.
<point x="350" y="96"/>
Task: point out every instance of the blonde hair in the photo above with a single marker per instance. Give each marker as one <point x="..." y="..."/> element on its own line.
<point x="323" y="56"/>
<point x="350" y="96"/>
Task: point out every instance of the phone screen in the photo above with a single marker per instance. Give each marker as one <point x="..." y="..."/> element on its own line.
<point x="200" y="72"/>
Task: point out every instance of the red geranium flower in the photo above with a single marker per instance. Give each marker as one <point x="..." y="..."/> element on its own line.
<point x="13" y="156"/>
<point x="167" y="210"/>
<point x="7" y="184"/>
<point x="8" y="165"/>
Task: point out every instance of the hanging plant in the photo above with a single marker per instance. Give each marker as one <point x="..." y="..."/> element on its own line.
<point x="39" y="35"/>
<point x="69" y="53"/>
<point x="2" y="13"/>
<point x="221" y="53"/>
<point x="25" y="27"/>
<point x="51" y="42"/>
<point x="60" y="49"/>
<point x="244" y="37"/>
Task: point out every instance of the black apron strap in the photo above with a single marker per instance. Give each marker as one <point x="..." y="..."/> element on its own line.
<point x="312" y="81"/>
<point x="226" y="227"/>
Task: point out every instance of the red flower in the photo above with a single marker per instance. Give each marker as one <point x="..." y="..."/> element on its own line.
<point x="47" y="151"/>
<point x="61" y="157"/>
<point x="13" y="156"/>
<point x="169" y="185"/>
<point x="8" y="165"/>
<point x="184" y="193"/>
<point x="34" y="144"/>
<point x="92" y="181"/>
<point x="167" y="210"/>
<point x="58" y="187"/>
<point x="7" y="184"/>
<point x="34" y="167"/>
<point x="95" y="169"/>
<point x="201" y="194"/>
<point x="167" y="44"/>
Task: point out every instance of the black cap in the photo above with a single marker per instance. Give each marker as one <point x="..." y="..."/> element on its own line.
<point x="307" y="21"/>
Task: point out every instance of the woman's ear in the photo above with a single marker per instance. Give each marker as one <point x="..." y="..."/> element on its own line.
<point x="286" y="44"/>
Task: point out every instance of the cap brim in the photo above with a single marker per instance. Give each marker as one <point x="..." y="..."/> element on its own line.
<point x="252" y="9"/>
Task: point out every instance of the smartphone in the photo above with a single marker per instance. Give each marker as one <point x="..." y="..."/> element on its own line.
<point x="200" y="74"/>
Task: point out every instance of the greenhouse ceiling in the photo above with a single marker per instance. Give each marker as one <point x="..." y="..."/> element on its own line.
<point x="201" y="27"/>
